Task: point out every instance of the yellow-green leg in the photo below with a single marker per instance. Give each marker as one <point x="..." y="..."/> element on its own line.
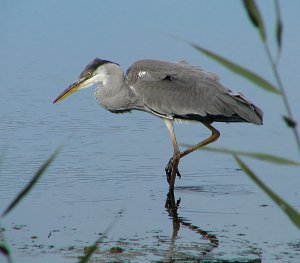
<point x="172" y="166"/>
<point x="215" y="134"/>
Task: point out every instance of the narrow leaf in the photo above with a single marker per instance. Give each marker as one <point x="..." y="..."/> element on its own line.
<point x="279" y="27"/>
<point x="293" y="215"/>
<point x="4" y="250"/>
<point x="92" y="249"/>
<point x="33" y="181"/>
<point x="289" y="122"/>
<point x="255" y="17"/>
<point x="259" y="156"/>
<point x="254" y="78"/>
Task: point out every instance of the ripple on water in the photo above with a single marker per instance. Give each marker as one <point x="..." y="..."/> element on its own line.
<point x="217" y="189"/>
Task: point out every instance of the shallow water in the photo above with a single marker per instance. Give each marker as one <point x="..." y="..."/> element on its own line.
<point x="114" y="162"/>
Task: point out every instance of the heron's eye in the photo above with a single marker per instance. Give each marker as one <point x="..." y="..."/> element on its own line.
<point x="88" y="74"/>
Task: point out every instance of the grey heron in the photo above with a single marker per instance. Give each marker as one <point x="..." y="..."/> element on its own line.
<point x="170" y="91"/>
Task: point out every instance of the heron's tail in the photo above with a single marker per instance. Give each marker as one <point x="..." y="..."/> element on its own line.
<point x="246" y="109"/>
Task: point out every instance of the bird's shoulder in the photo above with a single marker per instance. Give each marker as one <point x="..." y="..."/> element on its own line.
<point x="157" y="70"/>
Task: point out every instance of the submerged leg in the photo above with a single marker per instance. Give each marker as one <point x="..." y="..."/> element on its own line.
<point x="172" y="166"/>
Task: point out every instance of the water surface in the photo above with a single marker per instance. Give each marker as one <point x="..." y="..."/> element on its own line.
<point x="116" y="162"/>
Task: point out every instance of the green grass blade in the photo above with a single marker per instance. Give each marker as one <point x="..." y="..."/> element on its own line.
<point x="279" y="27"/>
<point x="253" y="77"/>
<point x="32" y="182"/>
<point x="255" y="17"/>
<point x="289" y="122"/>
<point x="259" y="156"/>
<point x="292" y="214"/>
<point x="92" y="249"/>
<point x="4" y="249"/>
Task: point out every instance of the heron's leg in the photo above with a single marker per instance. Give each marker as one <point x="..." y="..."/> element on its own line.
<point x="215" y="134"/>
<point x="172" y="166"/>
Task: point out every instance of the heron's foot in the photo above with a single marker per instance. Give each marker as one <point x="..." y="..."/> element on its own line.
<point x="172" y="204"/>
<point x="172" y="170"/>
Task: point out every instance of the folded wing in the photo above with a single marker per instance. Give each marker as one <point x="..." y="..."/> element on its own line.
<point x="179" y="90"/>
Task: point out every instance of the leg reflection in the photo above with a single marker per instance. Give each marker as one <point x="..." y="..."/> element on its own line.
<point x="172" y="206"/>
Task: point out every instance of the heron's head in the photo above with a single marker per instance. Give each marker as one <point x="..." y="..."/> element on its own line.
<point x="93" y="73"/>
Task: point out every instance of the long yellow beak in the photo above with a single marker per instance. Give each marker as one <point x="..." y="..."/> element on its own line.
<point x="77" y="85"/>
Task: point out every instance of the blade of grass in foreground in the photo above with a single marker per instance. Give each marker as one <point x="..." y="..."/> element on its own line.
<point x="255" y="17"/>
<point x="293" y="215"/>
<point x="289" y="122"/>
<point x="92" y="249"/>
<point x="4" y="249"/>
<point x="259" y="156"/>
<point x="32" y="182"/>
<point x="254" y="78"/>
<point x="279" y="27"/>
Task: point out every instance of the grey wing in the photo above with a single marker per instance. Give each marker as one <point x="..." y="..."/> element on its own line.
<point x="179" y="90"/>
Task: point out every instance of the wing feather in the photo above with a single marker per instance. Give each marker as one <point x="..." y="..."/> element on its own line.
<point x="180" y="90"/>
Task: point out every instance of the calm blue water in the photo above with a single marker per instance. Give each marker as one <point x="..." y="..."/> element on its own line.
<point x="112" y="162"/>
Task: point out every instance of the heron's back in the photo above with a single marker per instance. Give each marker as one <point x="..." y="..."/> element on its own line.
<point x="179" y="90"/>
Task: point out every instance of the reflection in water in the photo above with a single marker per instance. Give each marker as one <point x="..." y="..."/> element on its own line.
<point x="171" y="206"/>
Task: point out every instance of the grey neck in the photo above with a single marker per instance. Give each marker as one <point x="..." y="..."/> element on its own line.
<point x="113" y="93"/>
